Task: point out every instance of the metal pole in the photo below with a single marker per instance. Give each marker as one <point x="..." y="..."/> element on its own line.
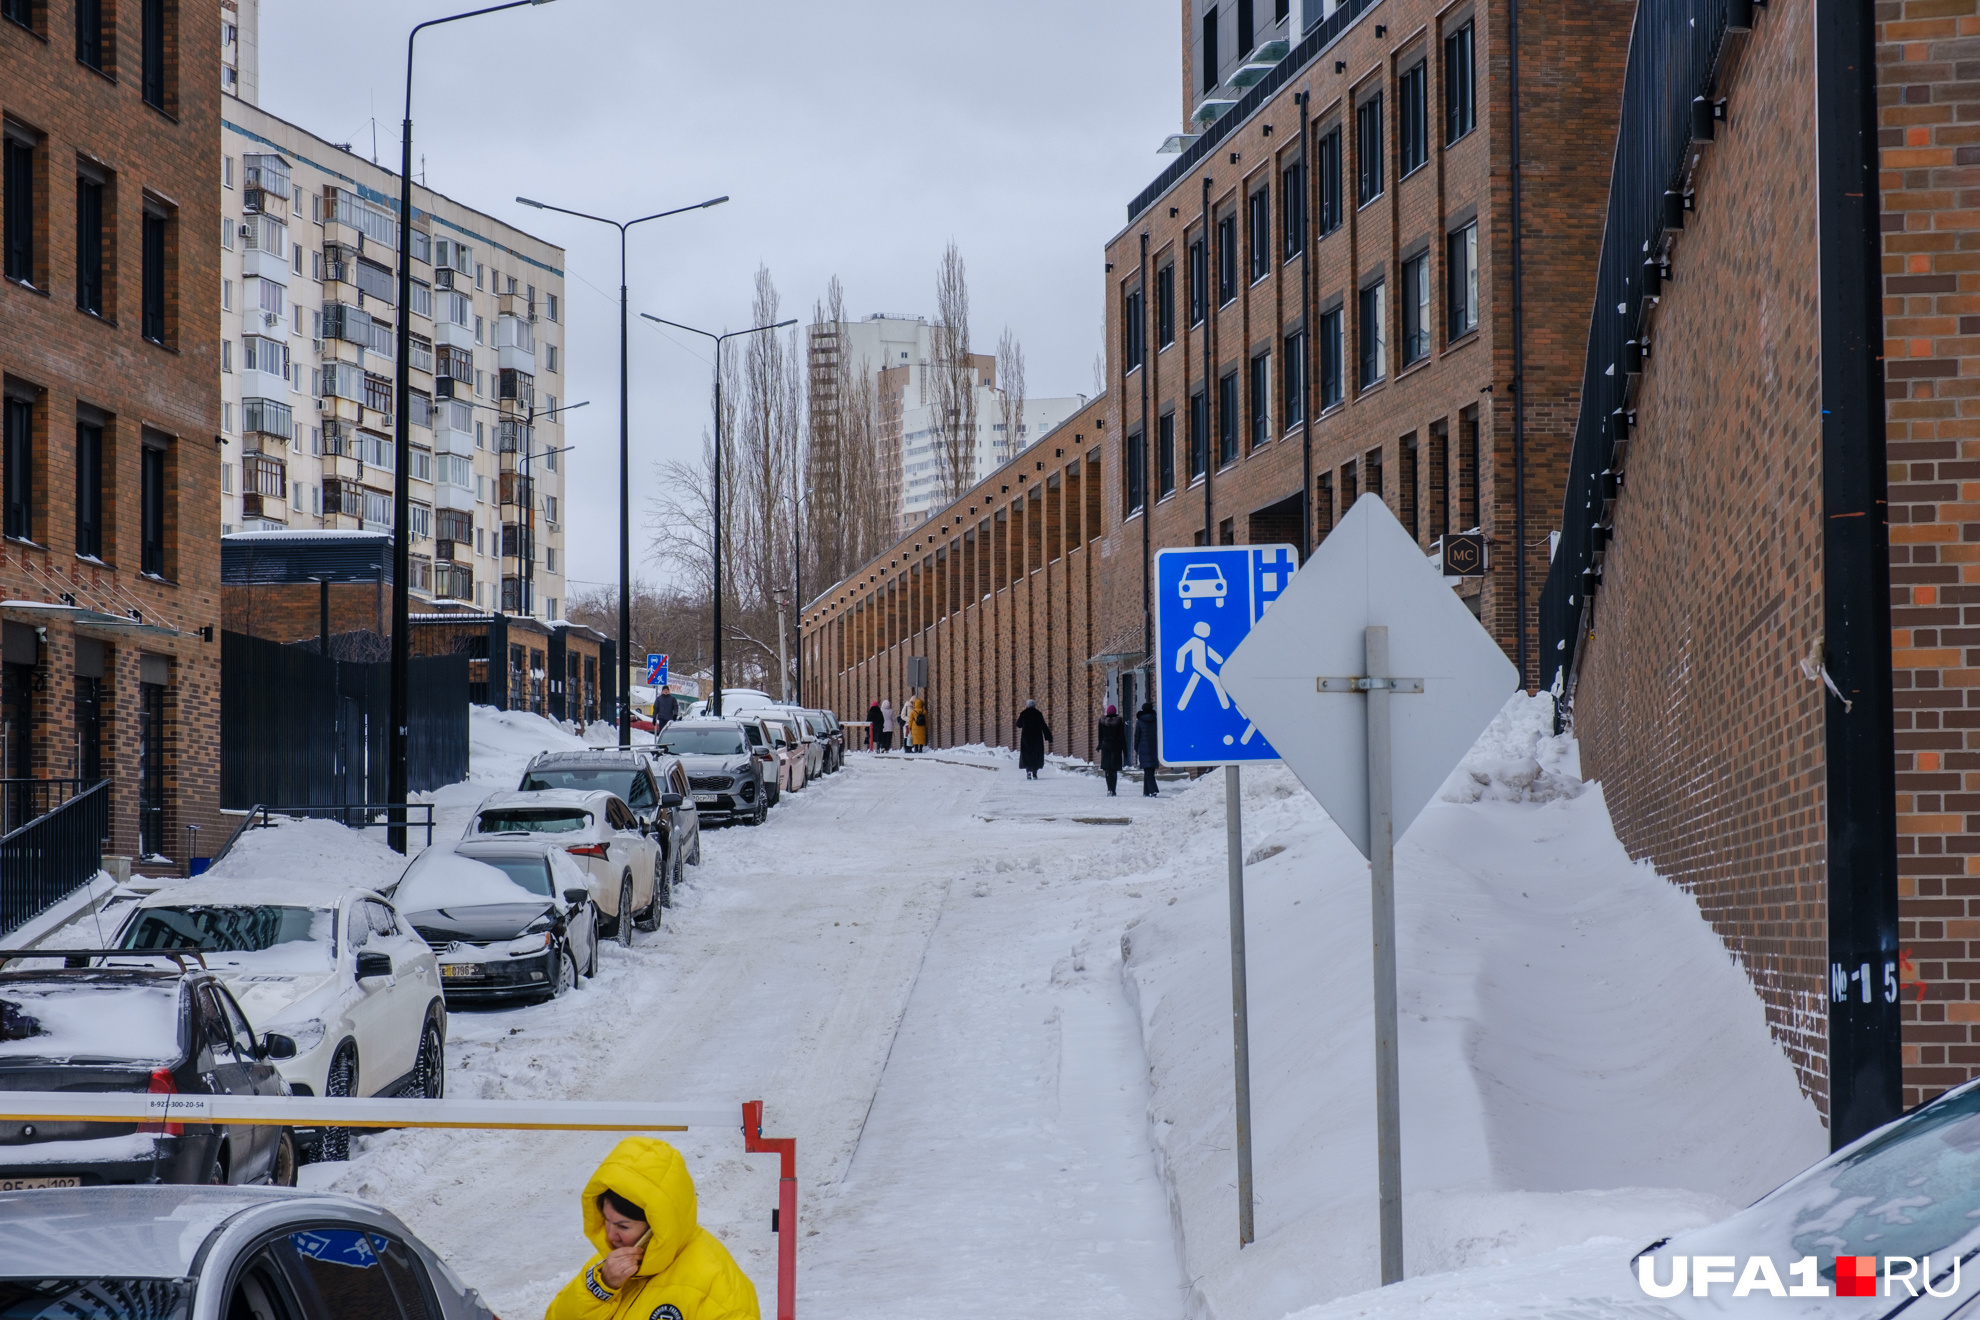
<point x="625" y="528"/>
<point x="1382" y="896"/>
<point x="1240" y="1011"/>
<point x="715" y="706"/>
<point x="399" y="719"/>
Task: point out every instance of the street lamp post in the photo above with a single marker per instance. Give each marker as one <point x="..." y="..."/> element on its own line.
<point x="625" y="448"/>
<point x="715" y="705"/>
<point x="399" y="732"/>
<point x="797" y="579"/>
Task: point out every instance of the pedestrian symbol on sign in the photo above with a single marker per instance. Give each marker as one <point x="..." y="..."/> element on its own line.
<point x="1198" y="722"/>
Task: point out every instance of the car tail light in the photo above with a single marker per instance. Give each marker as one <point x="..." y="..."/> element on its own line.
<point x="162" y="1084"/>
<point x="586" y="850"/>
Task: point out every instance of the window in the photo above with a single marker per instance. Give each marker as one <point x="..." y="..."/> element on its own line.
<point x="1461" y="270"/>
<point x="1199" y="280"/>
<point x="151" y="534"/>
<point x="1199" y="433"/>
<point x="19" y="457"/>
<point x="226" y="355"/>
<point x="89" y="489"/>
<point x="226" y="295"/>
<point x="1247" y="37"/>
<point x="1373" y="332"/>
<point x="1132" y="331"/>
<point x="1227" y="258"/>
<point x="1416" y="308"/>
<point x="1165" y="456"/>
<point x="1227" y="419"/>
<point x="1413" y="111"/>
<point x="1210" y="61"/>
<point x="1330" y="180"/>
<point x="1136" y="471"/>
<point x="154" y="75"/>
<point x="1261" y="399"/>
<point x="1165" y="309"/>
<point x="1292" y="208"/>
<point x="1460" y="96"/>
<point x="549" y="357"/>
<point x="1294" y="410"/>
<point x="155" y="260"/>
<point x="18" y="11"/>
<point x="1331" y="380"/>
<point x="1260" y="220"/>
<point x="550" y="306"/>
<point x="91" y="47"/>
<point x="422" y="299"/>
<point x="89" y="243"/>
<point x="19" y="183"/>
<point x="421" y="243"/>
<point x="1368" y="149"/>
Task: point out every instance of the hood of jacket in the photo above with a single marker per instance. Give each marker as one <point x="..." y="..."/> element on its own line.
<point x="653" y="1176"/>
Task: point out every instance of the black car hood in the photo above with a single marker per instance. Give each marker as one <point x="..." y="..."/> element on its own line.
<point x="479" y="924"/>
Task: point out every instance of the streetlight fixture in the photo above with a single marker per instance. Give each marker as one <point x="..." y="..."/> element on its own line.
<point x="625" y="457"/>
<point x="397" y="736"/>
<point x="715" y="705"/>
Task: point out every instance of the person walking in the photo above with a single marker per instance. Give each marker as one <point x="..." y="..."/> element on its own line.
<point x="873" y="727"/>
<point x="1113" y="746"/>
<point x="653" y="1260"/>
<point x="666" y="709"/>
<point x="1033" y="734"/>
<point x="1144" y="747"/>
<point x="917" y="726"/>
<point x="886" y="725"/>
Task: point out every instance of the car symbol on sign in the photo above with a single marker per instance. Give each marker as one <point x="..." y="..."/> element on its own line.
<point x="1202" y="580"/>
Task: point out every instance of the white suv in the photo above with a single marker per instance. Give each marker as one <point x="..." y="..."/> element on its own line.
<point x="620" y="853"/>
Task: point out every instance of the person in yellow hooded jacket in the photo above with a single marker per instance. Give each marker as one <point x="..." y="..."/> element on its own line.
<point x="654" y="1261"/>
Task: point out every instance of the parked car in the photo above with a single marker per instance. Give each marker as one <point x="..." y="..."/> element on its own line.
<point x="332" y="968"/>
<point x="810" y="737"/>
<point x="151" y="1028"/>
<point x="673" y="778"/>
<point x="243" y="1253"/>
<point x="769" y="764"/>
<point x="640" y="778"/>
<point x="784" y="735"/>
<point x="835" y="739"/>
<point x="623" y="859"/>
<point x="505" y="918"/>
<point x="724" y="774"/>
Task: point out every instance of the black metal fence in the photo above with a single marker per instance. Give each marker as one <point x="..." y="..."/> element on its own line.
<point x="22" y="800"/>
<point x="49" y="858"/>
<point x="1674" y="54"/>
<point x="296" y="727"/>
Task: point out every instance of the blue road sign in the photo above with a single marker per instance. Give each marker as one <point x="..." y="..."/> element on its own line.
<point x="656" y="669"/>
<point x="1206" y="600"/>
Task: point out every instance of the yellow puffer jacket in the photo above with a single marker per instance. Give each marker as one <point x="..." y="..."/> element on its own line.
<point x="686" y="1273"/>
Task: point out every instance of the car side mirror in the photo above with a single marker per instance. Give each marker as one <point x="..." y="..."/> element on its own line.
<point x="576" y="896"/>
<point x="274" y="1045"/>
<point x="373" y="964"/>
<point x="671" y="800"/>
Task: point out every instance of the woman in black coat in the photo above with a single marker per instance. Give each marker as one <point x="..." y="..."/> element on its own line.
<point x="1113" y="746"/>
<point x="1033" y="734"/>
<point x="1144" y="747"/>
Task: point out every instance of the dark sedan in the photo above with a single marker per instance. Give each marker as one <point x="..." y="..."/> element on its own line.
<point x="506" y="920"/>
<point x="160" y="1031"/>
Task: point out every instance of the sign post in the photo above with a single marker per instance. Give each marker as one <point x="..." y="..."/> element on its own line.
<point x="656" y="669"/>
<point x="1207" y="601"/>
<point x="1371" y="618"/>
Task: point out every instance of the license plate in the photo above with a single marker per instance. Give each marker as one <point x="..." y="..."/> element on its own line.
<point x="461" y="971"/>
<point x="700" y="798"/>
<point x="22" y="1184"/>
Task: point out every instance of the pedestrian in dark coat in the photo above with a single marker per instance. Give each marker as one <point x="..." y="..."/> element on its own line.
<point x="873" y="715"/>
<point x="1144" y="747"/>
<point x="1113" y="746"/>
<point x="666" y="709"/>
<point x="1033" y="734"/>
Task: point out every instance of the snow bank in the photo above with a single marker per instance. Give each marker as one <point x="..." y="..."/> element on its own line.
<point x="1573" y="1036"/>
<point x="314" y="850"/>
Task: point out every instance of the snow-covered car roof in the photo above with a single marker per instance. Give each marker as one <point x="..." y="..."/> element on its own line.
<point x="591" y="756"/>
<point x="590" y="798"/>
<point x="283" y="893"/>
<point x="462" y="879"/>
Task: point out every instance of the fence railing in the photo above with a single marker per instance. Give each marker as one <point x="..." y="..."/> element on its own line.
<point x="23" y="800"/>
<point x="355" y="815"/>
<point x="54" y="854"/>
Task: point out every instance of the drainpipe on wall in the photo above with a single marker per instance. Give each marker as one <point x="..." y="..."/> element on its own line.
<point x="1306" y="241"/>
<point x="1519" y="358"/>
<point x="1147" y="486"/>
<point x="1210" y="404"/>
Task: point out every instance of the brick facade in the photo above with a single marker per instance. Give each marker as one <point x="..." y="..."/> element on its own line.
<point x="149" y="382"/>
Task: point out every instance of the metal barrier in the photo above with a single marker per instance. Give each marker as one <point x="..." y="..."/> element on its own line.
<point x="864" y="735"/>
<point x="356" y="815"/>
<point x="497" y="1115"/>
<point x="52" y="856"/>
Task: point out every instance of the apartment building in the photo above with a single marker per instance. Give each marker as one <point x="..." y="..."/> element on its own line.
<point x="110" y="463"/>
<point x="309" y="240"/>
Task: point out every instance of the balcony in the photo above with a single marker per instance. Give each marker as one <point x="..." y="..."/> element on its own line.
<point x="514" y="437"/>
<point x="1257" y="64"/>
<point x="264" y="176"/>
<point x="1212" y="108"/>
<point x="517" y="387"/>
<point x="452" y="582"/>
<point x="517" y="489"/>
<point x="267" y="417"/>
<point x="517" y="543"/>
<point x="270" y="507"/>
<point x="259" y="265"/>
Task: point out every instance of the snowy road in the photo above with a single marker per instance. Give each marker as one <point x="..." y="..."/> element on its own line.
<point x="903" y="967"/>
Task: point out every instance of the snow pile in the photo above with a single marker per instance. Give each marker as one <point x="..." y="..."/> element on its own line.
<point x="312" y="850"/>
<point x="503" y="741"/>
<point x="1519" y="758"/>
<point x="1581" y="1058"/>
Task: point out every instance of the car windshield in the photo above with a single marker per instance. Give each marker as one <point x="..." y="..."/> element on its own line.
<point x="263" y="933"/>
<point x="702" y="742"/>
<point x="68" y="1299"/>
<point x="630" y="785"/>
<point x="82" y="1017"/>
<point x="451" y="880"/>
<point x="533" y="820"/>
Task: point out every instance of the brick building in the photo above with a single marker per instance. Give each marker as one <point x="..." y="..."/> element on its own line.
<point x="1315" y="301"/>
<point x="109" y="348"/>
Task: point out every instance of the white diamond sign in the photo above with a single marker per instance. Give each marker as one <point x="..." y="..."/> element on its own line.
<point x="1369" y="571"/>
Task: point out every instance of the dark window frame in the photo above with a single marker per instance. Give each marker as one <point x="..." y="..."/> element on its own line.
<point x="1210" y="58"/>
<point x="93" y="41"/>
<point x="1199" y="280"/>
<point x="1165" y="456"/>
<point x="1329" y="161"/>
<point x="17" y="458"/>
<point x="1292" y="382"/>
<point x="157" y="264"/>
<point x="1134" y="473"/>
<point x="1413" y="119"/>
<point x="1368" y="150"/>
<point x="1199" y="434"/>
<point x="1292" y="208"/>
<point x="1247" y="28"/>
<point x="1258" y="220"/>
<point x="1134" y="328"/>
<point x="1165" y="305"/>
<point x="1333" y="346"/>
<point x="152" y="511"/>
<point x="1415" y="310"/>
<point x="1228" y="401"/>
<point x="155" y="72"/>
<point x="18" y="161"/>
<point x="19" y="11"/>
<point x="1371" y="334"/>
<point x="1460" y="83"/>
<point x="89" y="487"/>
<point x="91" y="256"/>
<point x="1227" y="258"/>
<point x="1460" y="282"/>
<point x="1259" y="428"/>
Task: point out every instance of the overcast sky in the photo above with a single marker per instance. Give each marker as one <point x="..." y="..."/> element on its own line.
<point x="855" y="138"/>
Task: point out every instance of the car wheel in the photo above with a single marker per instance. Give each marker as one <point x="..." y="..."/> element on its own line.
<point x="650" y="918"/>
<point x="563" y="973"/>
<point x="674" y="875"/>
<point x="591" y="967"/>
<point x="430" y="1068"/>
<point x="695" y="858"/>
<point x="282" y="1173"/>
<point x="625" y="918"/>
<point x="217" y="1176"/>
<point x="762" y="813"/>
<point x="342" y="1081"/>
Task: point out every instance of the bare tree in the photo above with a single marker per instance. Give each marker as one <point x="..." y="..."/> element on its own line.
<point x="851" y="490"/>
<point x="953" y="379"/>
<point x="1099" y="375"/>
<point x="1010" y="387"/>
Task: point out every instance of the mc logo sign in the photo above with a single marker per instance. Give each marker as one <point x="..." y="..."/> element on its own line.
<point x="1856" y="1276"/>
